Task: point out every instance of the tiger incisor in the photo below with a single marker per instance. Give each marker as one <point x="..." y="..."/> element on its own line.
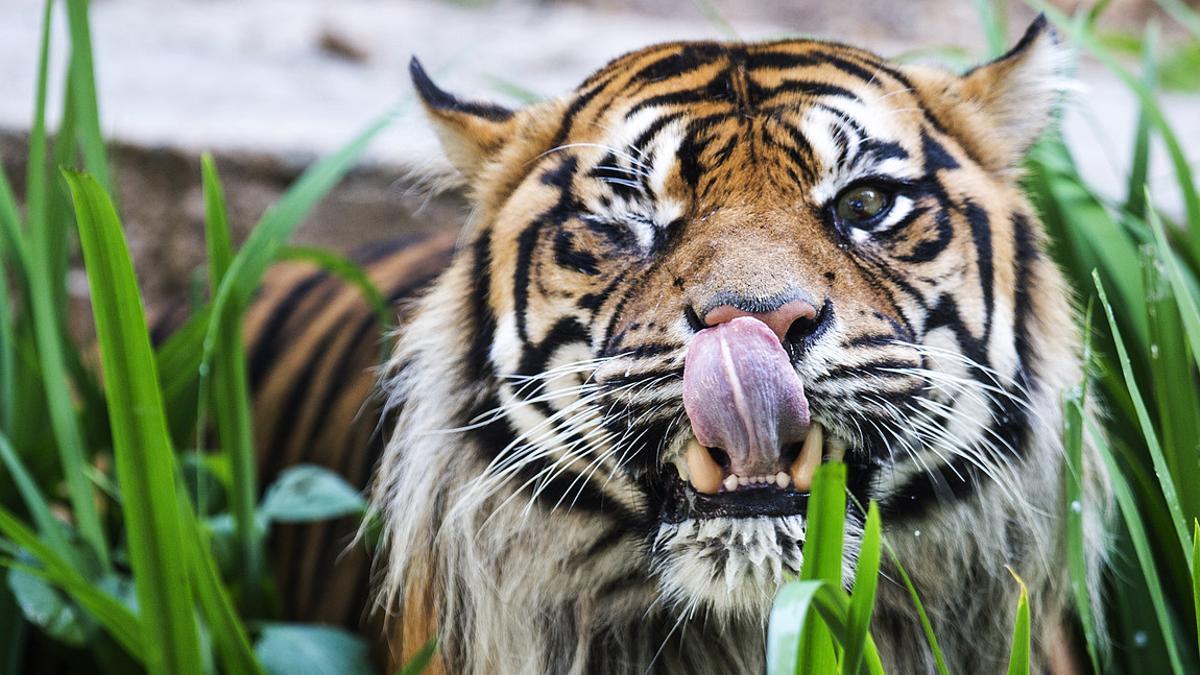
<point x="683" y="286"/>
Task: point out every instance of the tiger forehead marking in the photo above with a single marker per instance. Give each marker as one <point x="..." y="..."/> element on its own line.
<point x="692" y="280"/>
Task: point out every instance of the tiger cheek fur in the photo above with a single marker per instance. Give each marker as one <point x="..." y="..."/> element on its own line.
<point x="546" y="502"/>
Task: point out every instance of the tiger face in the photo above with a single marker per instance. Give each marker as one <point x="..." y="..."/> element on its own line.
<point x="713" y="267"/>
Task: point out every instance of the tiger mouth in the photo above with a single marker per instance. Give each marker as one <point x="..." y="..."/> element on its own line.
<point x="706" y="487"/>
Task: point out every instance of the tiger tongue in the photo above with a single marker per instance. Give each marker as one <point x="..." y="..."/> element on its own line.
<point x="743" y="396"/>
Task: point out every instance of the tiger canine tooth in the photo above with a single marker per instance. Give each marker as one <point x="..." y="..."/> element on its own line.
<point x="809" y="459"/>
<point x="837" y="449"/>
<point x="731" y="483"/>
<point x="703" y="471"/>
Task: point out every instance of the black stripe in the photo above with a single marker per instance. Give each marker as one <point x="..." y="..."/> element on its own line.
<point x="268" y="342"/>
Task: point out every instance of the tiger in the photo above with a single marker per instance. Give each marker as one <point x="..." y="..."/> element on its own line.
<point x="683" y="287"/>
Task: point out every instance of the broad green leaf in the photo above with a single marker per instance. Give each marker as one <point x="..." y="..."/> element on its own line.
<point x="1018" y="657"/>
<point x="789" y="617"/>
<point x="45" y="608"/>
<point x="118" y="621"/>
<point x="862" y="600"/>
<point x="142" y="449"/>
<point x="231" y="393"/>
<point x="297" y="649"/>
<point x="791" y="614"/>
<point x="306" y="492"/>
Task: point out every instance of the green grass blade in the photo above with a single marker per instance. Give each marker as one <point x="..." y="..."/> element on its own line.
<point x="269" y="235"/>
<point x="1179" y="160"/>
<point x="12" y="242"/>
<point x="231" y="394"/>
<point x="1073" y="493"/>
<point x="420" y="661"/>
<point x="141" y="444"/>
<point x="1128" y="506"/>
<point x="1135" y="195"/>
<point x="46" y="316"/>
<point x="8" y="353"/>
<point x="823" y="556"/>
<point x="993" y="17"/>
<point x="789" y="620"/>
<point x="1189" y="310"/>
<point x="229" y="634"/>
<point x="1174" y="393"/>
<point x="83" y="90"/>
<point x="862" y="601"/>
<point x="118" y="621"/>
<point x="930" y="638"/>
<point x="1161" y="470"/>
<point x="1196" y="575"/>
<point x="1186" y="16"/>
<point x="49" y="527"/>
<point x="1018" y="657"/>
<point x="348" y="271"/>
<point x="12" y="632"/>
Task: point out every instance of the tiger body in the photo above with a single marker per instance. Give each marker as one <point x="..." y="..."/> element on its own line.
<point x="541" y="491"/>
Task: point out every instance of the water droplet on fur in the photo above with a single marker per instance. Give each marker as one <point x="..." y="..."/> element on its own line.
<point x="1140" y="639"/>
<point x="916" y="533"/>
<point x="1076" y="506"/>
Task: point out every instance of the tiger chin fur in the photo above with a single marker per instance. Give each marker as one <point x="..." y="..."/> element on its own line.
<point x="533" y="520"/>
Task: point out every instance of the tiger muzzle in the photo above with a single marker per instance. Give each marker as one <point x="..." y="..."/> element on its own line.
<point x="747" y="407"/>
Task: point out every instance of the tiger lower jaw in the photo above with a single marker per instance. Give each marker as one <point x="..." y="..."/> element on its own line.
<point x="707" y="489"/>
<point x="725" y="543"/>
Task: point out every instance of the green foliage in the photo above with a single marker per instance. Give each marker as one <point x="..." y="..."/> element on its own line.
<point x="195" y="600"/>
<point x="129" y="576"/>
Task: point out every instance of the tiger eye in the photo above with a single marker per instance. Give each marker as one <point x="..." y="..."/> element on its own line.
<point x="861" y="203"/>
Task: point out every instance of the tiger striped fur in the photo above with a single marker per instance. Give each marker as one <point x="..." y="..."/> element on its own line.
<point x="535" y="514"/>
<point x="534" y="520"/>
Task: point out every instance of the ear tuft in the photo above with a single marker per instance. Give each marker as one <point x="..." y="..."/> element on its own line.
<point x="1018" y="93"/>
<point x="470" y="132"/>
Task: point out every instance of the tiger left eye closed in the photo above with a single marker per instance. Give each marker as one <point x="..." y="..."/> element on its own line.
<point x="861" y="204"/>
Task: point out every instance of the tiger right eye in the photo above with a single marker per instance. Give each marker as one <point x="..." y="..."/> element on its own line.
<point x="861" y="204"/>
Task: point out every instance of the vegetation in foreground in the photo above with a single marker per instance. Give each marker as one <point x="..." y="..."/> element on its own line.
<point x="130" y="545"/>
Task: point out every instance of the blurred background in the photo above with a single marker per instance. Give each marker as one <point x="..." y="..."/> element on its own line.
<point x="268" y="86"/>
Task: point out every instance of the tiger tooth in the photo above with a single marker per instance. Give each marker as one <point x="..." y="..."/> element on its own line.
<point x="702" y="470"/>
<point x="731" y="483"/>
<point x="782" y="479"/>
<point x="809" y="459"/>
<point x="837" y="449"/>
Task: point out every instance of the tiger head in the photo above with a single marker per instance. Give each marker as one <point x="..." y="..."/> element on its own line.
<point x="707" y="270"/>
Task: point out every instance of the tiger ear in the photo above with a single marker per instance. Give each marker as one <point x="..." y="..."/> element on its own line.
<point x="1017" y="94"/>
<point x="470" y="132"/>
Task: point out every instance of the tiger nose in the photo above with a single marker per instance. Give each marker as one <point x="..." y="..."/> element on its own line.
<point x="797" y="316"/>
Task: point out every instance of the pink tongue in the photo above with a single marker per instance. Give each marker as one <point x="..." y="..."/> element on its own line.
<point x="742" y="394"/>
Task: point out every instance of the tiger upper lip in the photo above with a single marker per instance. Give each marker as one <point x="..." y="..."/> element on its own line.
<point x="698" y="467"/>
